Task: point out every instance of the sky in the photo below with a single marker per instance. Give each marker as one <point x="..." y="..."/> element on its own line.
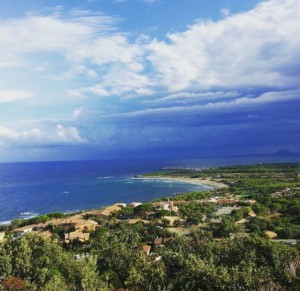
<point x="99" y="79"/>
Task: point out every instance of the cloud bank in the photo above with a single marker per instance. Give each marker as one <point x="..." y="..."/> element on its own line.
<point x="113" y="83"/>
<point x="60" y="136"/>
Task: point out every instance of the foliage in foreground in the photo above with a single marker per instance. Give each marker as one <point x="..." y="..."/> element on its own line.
<point x="43" y="265"/>
<point x="196" y="262"/>
<point x="193" y="263"/>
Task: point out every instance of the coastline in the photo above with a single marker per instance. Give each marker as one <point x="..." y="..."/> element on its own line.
<point x="207" y="183"/>
<point x="204" y="182"/>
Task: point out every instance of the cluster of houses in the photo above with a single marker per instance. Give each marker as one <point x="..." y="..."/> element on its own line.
<point x="77" y="228"/>
<point x="74" y="229"/>
<point x="287" y="192"/>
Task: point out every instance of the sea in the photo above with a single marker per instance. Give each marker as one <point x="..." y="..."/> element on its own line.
<point x="36" y="188"/>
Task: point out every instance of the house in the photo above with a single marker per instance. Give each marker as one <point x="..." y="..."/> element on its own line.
<point x="225" y="210"/>
<point x="164" y="206"/>
<point x="249" y="201"/>
<point x="76" y="235"/>
<point x="110" y="209"/>
<point x="122" y="205"/>
<point x="251" y="213"/>
<point x="135" y="204"/>
<point x="209" y="200"/>
<point x="2" y="234"/>
<point x="168" y="206"/>
<point x="226" y="201"/>
<point x="24" y="230"/>
<point x="85" y="225"/>
<point x="147" y="249"/>
<point x="159" y="241"/>
<point x="270" y="234"/>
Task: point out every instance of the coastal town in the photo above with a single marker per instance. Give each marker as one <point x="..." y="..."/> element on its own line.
<point x="247" y="214"/>
<point x="167" y="214"/>
<point x="163" y="214"/>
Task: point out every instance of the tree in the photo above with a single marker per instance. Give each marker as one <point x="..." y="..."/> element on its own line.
<point x="42" y="264"/>
<point x="162" y="213"/>
<point x="177" y="223"/>
<point x="275" y="207"/>
<point x="141" y="210"/>
<point x="12" y="283"/>
<point x="117" y="255"/>
<point x="166" y="222"/>
<point x="56" y="283"/>
<point x="90" y="279"/>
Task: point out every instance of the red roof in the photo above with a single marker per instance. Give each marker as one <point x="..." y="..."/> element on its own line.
<point x="160" y="240"/>
<point x="146" y="248"/>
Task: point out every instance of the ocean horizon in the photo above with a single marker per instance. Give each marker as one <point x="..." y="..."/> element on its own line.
<point x="70" y="186"/>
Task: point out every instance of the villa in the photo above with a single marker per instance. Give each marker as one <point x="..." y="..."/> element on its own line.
<point x="76" y="235"/>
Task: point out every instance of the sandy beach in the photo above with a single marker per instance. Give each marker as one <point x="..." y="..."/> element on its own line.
<point x="205" y="182"/>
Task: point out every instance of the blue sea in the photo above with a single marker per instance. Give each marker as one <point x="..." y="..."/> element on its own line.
<point x="43" y="187"/>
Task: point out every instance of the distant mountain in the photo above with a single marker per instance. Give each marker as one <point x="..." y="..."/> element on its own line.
<point x="280" y="153"/>
<point x="284" y="153"/>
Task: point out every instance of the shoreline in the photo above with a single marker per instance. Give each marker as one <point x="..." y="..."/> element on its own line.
<point x="204" y="182"/>
<point x="209" y="184"/>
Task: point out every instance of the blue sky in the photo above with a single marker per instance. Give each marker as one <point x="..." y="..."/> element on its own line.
<point x="168" y="78"/>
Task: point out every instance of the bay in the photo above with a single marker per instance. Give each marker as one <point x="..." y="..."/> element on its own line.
<point x="43" y="187"/>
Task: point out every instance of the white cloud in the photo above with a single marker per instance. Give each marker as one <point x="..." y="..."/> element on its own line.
<point x="238" y="103"/>
<point x="81" y="36"/>
<point x="225" y="12"/>
<point x="186" y="97"/>
<point x="90" y="45"/>
<point x="36" y="138"/>
<point x="118" y="82"/>
<point x="77" y="112"/>
<point x="256" y="48"/>
<point x="14" y="95"/>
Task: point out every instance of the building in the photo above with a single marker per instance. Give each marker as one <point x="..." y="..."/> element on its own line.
<point x="86" y="225"/>
<point x="76" y="235"/>
<point x="227" y="201"/>
<point x="164" y="206"/>
<point x="270" y="234"/>
<point x="168" y="206"/>
<point x="110" y="209"/>
<point x="135" y="204"/>
<point x="159" y="241"/>
<point x="147" y="249"/>
<point x="249" y="201"/>
<point x="122" y="205"/>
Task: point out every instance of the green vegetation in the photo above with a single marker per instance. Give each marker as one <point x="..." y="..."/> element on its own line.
<point x="193" y="263"/>
<point x="195" y="211"/>
<point x="224" y="244"/>
<point x="191" y="196"/>
<point x="42" y="265"/>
